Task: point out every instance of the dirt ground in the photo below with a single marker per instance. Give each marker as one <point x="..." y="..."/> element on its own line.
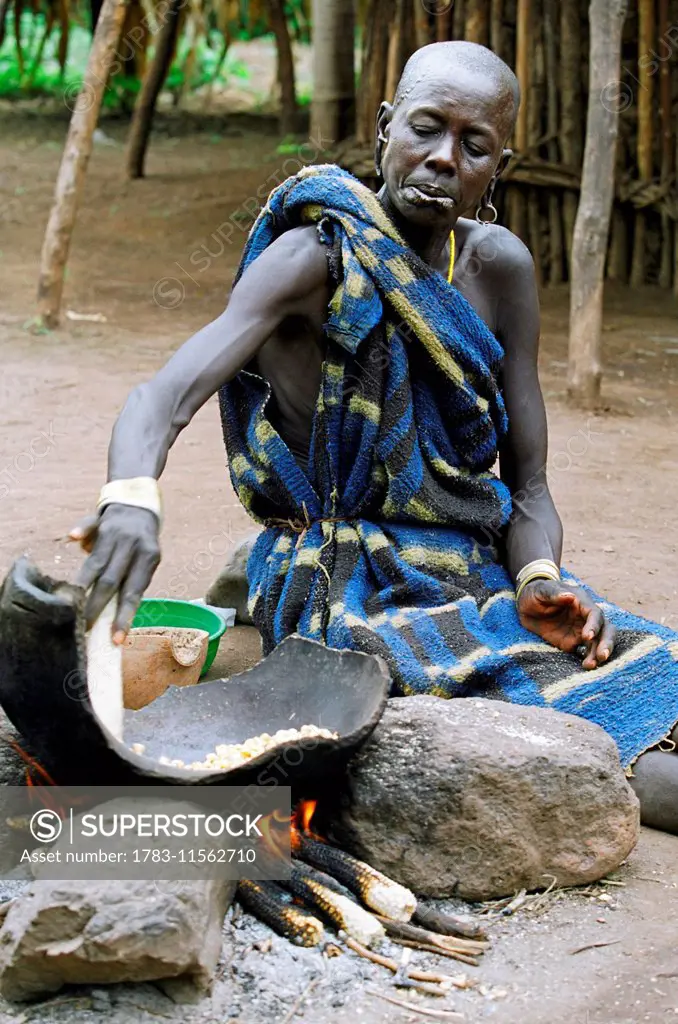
<point x="155" y="258"/>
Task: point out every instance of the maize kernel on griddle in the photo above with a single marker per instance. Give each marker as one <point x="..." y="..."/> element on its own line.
<point x="228" y="756"/>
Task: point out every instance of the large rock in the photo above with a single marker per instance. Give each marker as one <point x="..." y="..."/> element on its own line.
<point x="78" y="932"/>
<point x="479" y="798"/>
<point x="230" y="589"/>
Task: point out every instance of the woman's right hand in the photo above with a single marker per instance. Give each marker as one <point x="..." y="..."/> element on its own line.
<point x="124" y="552"/>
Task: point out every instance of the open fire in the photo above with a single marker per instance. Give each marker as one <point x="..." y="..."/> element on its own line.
<point x="376" y="891"/>
<point x="328" y="885"/>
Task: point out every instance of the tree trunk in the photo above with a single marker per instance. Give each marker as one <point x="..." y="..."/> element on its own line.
<point x="535" y="106"/>
<point x="571" y="114"/>
<point x="675" y="236"/>
<point x="645" y="133"/>
<point x="555" y="241"/>
<point x="144" y="108"/>
<point x="666" y="263"/>
<point x="478" y="22"/>
<point x="518" y="222"/>
<point x="74" y="161"/>
<point x="286" y="80"/>
<point x="524" y="56"/>
<point x="373" y="75"/>
<point x="497" y="27"/>
<point x="444" y="22"/>
<point x="194" y="30"/>
<point x="17" y="40"/>
<point x="399" y="47"/>
<point x="37" y="60"/>
<point x="422" y="28"/>
<point x="675" y="243"/>
<point x="606" y="18"/>
<point x="456" y="19"/>
<point x="333" y="109"/>
<point x="4" y="7"/>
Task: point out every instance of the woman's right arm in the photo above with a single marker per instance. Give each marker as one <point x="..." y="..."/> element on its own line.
<point x="123" y="540"/>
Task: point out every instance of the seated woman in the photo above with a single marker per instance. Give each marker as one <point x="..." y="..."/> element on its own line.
<point x="365" y="398"/>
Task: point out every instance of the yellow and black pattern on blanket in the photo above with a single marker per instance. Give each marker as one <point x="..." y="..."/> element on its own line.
<point x="387" y="543"/>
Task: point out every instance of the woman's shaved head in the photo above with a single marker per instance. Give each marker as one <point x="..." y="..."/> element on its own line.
<point x="441" y="147"/>
<point x="430" y="62"/>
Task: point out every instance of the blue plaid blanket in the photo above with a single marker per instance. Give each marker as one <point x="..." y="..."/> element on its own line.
<point x="386" y="543"/>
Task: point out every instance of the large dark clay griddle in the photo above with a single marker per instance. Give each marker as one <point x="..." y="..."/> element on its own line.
<point x="43" y="691"/>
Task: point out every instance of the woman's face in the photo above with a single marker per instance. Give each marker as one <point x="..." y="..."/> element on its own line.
<point x="444" y="142"/>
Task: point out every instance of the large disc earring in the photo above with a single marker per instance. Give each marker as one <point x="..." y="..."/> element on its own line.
<point x="486" y="212"/>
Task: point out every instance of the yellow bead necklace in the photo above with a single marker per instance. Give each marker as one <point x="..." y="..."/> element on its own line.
<point x="451" y="270"/>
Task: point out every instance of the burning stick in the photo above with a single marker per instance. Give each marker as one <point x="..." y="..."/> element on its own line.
<point x="343" y="912"/>
<point x="270" y="903"/>
<point x="378" y="892"/>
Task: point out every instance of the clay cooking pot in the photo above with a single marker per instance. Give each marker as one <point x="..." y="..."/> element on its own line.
<point x="155" y="657"/>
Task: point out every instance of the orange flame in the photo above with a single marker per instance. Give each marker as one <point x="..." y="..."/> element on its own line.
<point x="305" y="813"/>
<point x="38" y="778"/>
<point x="301" y="823"/>
<point x="32" y="765"/>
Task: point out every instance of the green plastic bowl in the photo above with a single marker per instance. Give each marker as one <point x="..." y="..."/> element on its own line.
<point x="157" y="611"/>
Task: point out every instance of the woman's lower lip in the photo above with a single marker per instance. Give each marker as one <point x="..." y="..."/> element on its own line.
<point x="419" y="198"/>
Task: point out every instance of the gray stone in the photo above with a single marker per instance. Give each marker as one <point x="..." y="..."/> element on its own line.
<point x="230" y="589"/>
<point x="480" y="798"/>
<point x="98" y="933"/>
<point x="101" y="1000"/>
<point x="12" y="765"/>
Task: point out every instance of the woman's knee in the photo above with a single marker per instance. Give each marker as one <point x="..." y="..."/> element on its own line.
<point x="655" y="782"/>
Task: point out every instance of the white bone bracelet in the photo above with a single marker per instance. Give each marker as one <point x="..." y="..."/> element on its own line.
<point x="539" y="569"/>
<point x="139" y="491"/>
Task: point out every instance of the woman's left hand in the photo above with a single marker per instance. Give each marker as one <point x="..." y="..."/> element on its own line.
<point x="566" y="617"/>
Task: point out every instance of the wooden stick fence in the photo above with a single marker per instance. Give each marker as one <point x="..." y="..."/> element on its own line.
<point x="547" y="43"/>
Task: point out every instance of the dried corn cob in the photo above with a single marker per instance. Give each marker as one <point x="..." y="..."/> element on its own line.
<point x="270" y="903"/>
<point x="378" y="892"/>
<point x="325" y="879"/>
<point x="344" y="913"/>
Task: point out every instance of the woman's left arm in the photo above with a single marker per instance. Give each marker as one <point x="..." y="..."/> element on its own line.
<point x="562" y="614"/>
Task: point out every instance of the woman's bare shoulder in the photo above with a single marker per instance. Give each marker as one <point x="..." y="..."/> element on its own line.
<point x="290" y="269"/>
<point x="495" y="248"/>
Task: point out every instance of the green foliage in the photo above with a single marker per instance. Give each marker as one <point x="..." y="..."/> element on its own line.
<point x="304" y="96"/>
<point x="46" y="78"/>
<point x="292" y="145"/>
<point x="206" y="68"/>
